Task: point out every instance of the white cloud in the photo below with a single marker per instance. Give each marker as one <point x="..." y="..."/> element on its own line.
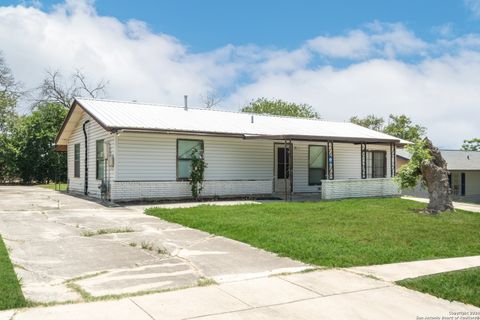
<point x="138" y="63"/>
<point x="473" y="6"/>
<point x="355" y="45"/>
<point x="444" y="30"/>
<point x="379" y="40"/>
<point x="439" y="87"/>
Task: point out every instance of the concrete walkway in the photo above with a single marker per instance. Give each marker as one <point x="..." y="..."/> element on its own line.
<point x="325" y="294"/>
<point x="472" y="207"/>
<point x="404" y="270"/>
<point x="60" y="244"/>
<point x="54" y="242"/>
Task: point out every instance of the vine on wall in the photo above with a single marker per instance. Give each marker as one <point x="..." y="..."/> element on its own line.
<point x="197" y="175"/>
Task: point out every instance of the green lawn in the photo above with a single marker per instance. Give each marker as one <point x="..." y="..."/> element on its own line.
<point x="51" y="186"/>
<point x="11" y="295"/>
<point x="342" y="233"/>
<point x="463" y="285"/>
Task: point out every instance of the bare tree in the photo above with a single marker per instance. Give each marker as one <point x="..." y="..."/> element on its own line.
<point x="10" y="92"/>
<point x="94" y="92"/>
<point x="210" y="99"/>
<point x="55" y="88"/>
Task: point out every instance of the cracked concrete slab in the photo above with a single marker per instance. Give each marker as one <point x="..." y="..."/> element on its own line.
<point x="119" y="310"/>
<point x="227" y="260"/>
<point x="46" y="234"/>
<point x="334" y="281"/>
<point x="185" y="304"/>
<point x="267" y="291"/>
<point x="170" y="273"/>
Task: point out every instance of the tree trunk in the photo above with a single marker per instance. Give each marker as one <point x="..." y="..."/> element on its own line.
<point x="435" y="175"/>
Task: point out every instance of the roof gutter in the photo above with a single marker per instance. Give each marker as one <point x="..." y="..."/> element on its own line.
<point x="177" y="132"/>
<point x="261" y="137"/>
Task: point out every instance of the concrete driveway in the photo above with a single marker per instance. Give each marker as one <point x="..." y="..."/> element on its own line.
<point x="472" y="207"/>
<point x="63" y="246"/>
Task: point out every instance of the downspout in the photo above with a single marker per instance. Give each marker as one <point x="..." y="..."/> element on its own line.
<point x="85" y="188"/>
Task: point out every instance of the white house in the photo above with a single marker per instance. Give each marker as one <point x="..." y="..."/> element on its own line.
<point x="130" y="151"/>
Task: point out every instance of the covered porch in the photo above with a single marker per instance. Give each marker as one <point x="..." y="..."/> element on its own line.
<point x="310" y="168"/>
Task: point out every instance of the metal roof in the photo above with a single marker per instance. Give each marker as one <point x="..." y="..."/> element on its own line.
<point x="403" y="154"/>
<point x="134" y="116"/>
<point x="462" y="160"/>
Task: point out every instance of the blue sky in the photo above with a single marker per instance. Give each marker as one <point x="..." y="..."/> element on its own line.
<point x="208" y="24"/>
<point x="212" y="23"/>
<point x="345" y="58"/>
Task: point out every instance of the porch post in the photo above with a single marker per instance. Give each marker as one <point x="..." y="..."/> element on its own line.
<point x="331" y="161"/>
<point x="393" y="160"/>
<point x="363" y="159"/>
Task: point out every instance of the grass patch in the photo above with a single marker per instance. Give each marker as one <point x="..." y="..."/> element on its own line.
<point x="11" y="295"/>
<point x="343" y="233"/>
<point x="462" y="285"/>
<point x="205" y="282"/>
<point x="52" y="186"/>
<point x="98" y="232"/>
<point x="145" y="245"/>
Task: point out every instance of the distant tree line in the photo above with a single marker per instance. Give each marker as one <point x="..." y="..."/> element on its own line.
<point x="400" y="126"/>
<point x="471" y="144"/>
<point x="27" y="140"/>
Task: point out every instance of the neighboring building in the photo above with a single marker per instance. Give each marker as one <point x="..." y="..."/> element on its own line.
<point x="464" y="167"/>
<point x="464" y="178"/>
<point x="130" y="151"/>
<point x="402" y="158"/>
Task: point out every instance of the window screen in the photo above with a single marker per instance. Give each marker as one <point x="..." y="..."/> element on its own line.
<point x="76" y="164"/>
<point x="184" y="156"/>
<point x="316" y="164"/>
<point x="100" y="160"/>
<point x="376" y="164"/>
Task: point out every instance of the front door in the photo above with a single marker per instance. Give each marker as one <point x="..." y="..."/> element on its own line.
<point x="282" y="168"/>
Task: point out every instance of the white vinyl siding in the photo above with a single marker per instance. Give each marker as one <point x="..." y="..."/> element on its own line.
<point x="152" y="157"/>
<point x="472" y="183"/>
<point x="94" y="132"/>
